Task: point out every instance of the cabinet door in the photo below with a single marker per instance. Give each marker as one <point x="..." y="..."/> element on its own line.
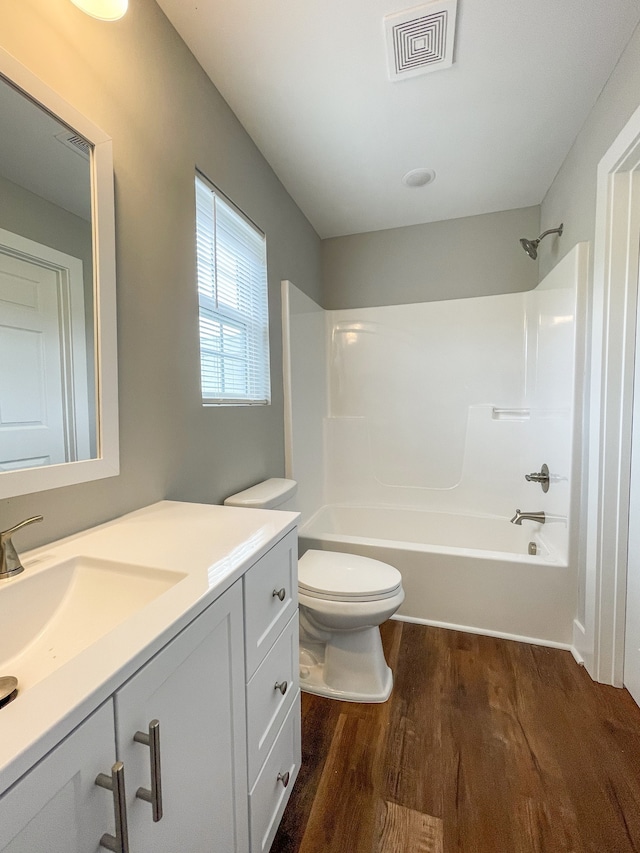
<point x="57" y="806"/>
<point x="195" y="689"/>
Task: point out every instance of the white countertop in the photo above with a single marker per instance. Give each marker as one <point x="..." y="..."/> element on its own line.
<point x="212" y="545"/>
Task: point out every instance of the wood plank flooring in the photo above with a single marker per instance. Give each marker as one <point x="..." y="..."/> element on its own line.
<point x="485" y="746"/>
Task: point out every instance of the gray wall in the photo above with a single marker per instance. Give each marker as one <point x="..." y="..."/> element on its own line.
<point x="139" y="83"/>
<point x="474" y="256"/>
<point x="572" y="196"/>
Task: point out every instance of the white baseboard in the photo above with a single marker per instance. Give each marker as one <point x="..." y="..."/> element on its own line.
<point x="579" y="640"/>
<point x="577" y="656"/>
<point x="483" y="632"/>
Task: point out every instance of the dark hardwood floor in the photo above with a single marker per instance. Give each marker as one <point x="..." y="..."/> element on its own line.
<point x="485" y="746"/>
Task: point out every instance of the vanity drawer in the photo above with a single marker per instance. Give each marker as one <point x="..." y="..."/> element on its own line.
<point x="267" y="706"/>
<point x="270" y="598"/>
<point x="269" y="796"/>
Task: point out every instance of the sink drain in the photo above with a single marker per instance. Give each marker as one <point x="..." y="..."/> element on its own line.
<point x="8" y="690"/>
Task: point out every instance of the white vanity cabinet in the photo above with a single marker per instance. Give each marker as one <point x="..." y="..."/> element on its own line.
<point x="206" y="732"/>
<point x="194" y="689"/>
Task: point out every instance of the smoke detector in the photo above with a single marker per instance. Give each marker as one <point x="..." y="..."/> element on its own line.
<point x="420" y="40"/>
<point x="418" y="177"/>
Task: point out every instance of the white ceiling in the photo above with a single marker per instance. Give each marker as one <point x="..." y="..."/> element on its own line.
<point x="308" y="80"/>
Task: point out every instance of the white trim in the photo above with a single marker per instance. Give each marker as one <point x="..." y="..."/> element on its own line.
<point x="72" y="337"/>
<point x="577" y="656"/>
<point x="579" y="640"/>
<point x="286" y="379"/>
<point x="501" y="635"/>
<point x="102" y="214"/>
<point x="615" y="294"/>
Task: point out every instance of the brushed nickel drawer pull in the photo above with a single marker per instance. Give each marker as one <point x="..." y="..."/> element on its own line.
<point x="279" y="593"/>
<point x="118" y="843"/>
<point x="284" y="778"/>
<point x="153" y="796"/>
<point x="282" y="687"/>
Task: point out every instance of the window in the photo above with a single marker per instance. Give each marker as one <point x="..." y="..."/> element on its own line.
<point x="232" y="293"/>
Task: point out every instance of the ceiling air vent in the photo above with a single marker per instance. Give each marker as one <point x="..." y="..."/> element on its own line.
<point x="75" y="142"/>
<point x="420" y="40"/>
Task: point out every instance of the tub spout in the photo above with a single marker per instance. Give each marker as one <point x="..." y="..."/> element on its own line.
<point x="519" y="517"/>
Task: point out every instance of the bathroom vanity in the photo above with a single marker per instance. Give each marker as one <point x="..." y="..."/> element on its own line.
<point x="175" y="726"/>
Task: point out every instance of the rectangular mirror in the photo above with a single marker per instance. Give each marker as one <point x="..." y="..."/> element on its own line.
<point x="58" y="376"/>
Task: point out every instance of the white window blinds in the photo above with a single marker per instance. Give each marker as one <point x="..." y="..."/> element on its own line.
<point x="232" y="292"/>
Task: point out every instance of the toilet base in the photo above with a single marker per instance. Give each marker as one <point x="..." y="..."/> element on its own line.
<point x="313" y="682"/>
<point x="350" y="667"/>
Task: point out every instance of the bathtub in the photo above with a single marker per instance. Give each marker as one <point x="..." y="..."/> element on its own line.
<point x="468" y="572"/>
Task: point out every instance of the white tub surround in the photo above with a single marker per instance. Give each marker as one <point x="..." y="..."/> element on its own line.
<point x="432" y="414"/>
<point x="305" y="370"/>
<point x="209" y="628"/>
<point x="471" y="573"/>
<point x="445" y="532"/>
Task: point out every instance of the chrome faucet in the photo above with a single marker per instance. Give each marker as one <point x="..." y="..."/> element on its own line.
<point x="10" y="564"/>
<point x="519" y="517"/>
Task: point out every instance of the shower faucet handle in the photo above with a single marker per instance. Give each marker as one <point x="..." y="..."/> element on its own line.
<point x="541" y="477"/>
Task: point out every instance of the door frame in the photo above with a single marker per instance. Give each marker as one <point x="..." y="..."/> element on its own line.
<point x="74" y="340"/>
<point x="600" y="640"/>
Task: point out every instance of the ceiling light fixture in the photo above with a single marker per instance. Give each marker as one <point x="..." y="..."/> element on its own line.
<point x="104" y="10"/>
<point x="419" y="178"/>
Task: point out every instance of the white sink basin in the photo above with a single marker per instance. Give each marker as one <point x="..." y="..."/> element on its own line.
<point x="49" y="615"/>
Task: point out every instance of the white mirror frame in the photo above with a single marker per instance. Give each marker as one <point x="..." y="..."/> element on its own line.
<point x="107" y="463"/>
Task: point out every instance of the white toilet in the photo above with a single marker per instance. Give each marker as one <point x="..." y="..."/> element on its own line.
<point x="344" y="598"/>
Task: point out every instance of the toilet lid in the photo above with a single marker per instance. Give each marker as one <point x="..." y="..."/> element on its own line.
<point x="329" y="574"/>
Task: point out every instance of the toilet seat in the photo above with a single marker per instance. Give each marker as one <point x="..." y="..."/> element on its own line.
<point x="335" y="576"/>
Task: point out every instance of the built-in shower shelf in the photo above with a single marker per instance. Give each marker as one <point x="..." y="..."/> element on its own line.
<point x="500" y="414"/>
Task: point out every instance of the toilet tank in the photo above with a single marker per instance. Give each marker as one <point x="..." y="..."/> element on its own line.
<point x="269" y="494"/>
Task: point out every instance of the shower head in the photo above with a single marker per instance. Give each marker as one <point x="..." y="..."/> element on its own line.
<point x="531" y="246"/>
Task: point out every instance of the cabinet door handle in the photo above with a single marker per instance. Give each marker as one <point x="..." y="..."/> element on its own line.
<point x="153" y="796"/>
<point x="279" y="593"/>
<point x="284" y="778"/>
<point x="281" y="686"/>
<point x="118" y="843"/>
